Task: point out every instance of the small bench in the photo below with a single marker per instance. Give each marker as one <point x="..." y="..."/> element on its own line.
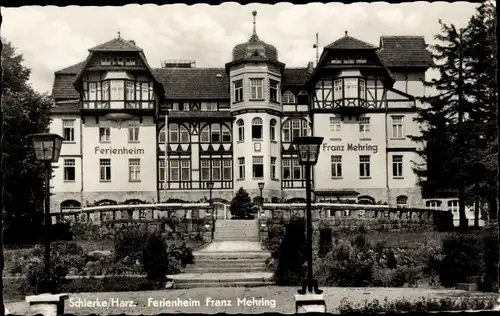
<point x="309" y="303"/>
<point x="47" y="304"/>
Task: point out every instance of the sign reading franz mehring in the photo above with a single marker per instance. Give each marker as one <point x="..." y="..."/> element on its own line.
<point x="118" y="151"/>
<point x="351" y="147"/>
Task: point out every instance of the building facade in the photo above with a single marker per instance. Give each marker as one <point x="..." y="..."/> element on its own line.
<point x="137" y="134"/>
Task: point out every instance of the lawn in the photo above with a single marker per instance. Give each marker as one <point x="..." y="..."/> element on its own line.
<point x="282" y="297"/>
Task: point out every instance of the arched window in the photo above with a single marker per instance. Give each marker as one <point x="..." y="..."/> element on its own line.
<point x="257" y="128"/>
<point x="178" y="133"/>
<point x="70" y="205"/>
<point x="272" y="129"/>
<point x="161" y="135"/>
<point x="241" y="130"/>
<point x="288" y="98"/>
<point x="215" y="133"/>
<point x="402" y="201"/>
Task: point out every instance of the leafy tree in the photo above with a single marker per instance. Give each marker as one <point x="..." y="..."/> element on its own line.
<point x="25" y="112"/>
<point x="242" y="205"/>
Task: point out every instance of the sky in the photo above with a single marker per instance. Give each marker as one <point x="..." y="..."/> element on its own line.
<point x="52" y="38"/>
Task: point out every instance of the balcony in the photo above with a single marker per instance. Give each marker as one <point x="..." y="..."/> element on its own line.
<point x="106" y="107"/>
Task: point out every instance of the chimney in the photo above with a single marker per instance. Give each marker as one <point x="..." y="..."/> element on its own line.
<point x="310" y="67"/>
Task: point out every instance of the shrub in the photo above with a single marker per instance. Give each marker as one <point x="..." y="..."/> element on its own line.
<point x="361" y="241"/>
<point x="325" y="241"/>
<point x="291" y="257"/>
<point x="242" y="205"/>
<point x="128" y="245"/>
<point x="85" y="231"/>
<point x="155" y="259"/>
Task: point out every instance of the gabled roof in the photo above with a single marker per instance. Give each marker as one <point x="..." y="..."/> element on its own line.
<point x="348" y="42"/>
<point x="117" y="44"/>
<point x="295" y="77"/>
<point x="405" y="51"/>
<point x="71" y="70"/>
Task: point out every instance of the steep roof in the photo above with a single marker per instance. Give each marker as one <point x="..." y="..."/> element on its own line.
<point x="405" y="51"/>
<point x="116" y="45"/>
<point x="295" y="77"/>
<point x="348" y="42"/>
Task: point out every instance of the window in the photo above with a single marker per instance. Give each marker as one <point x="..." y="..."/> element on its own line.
<point x="129" y="91"/>
<point x="205" y="169"/>
<point x="397" y="126"/>
<point x="208" y="106"/>
<point x="305" y="128"/>
<point x="337" y="89"/>
<point x="273" y="90"/>
<point x="286" y="163"/>
<point x="295" y="128"/>
<point x="272" y="129"/>
<point x="297" y="170"/>
<point x="69" y="130"/>
<point x="133" y="131"/>
<point x="129" y="61"/>
<point x="226" y="134"/>
<point x="118" y="61"/>
<point x="256" y="88"/>
<point x="105" y="91"/>
<point x="105" y="61"/>
<point x="92" y="91"/>
<point x="453" y="206"/>
<point x="69" y="170"/>
<point x="273" y="167"/>
<point x="227" y="170"/>
<point x="173" y="132"/>
<point x="364" y="166"/>
<point x="258" y="167"/>
<point x="174" y="170"/>
<point x="105" y="169"/>
<point x="184" y="135"/>
<point x="205" y="134"/>
<point x="185" y="170"/>
<point x="397" y="166"/>
<point x="351" y="88"/>
<point x="162" y="171"/>
<point x="349" y="60"/>
<point x="286" y="131"/>
<point x="402" y="201"/>
<point x="216" y="172"/>
<point x="134" y="170"/>
<point x="433" y="204"/>
<point x="336" y="60"/>
<point x="288" y="98"/>
<point x="104" y="134"/>
<point x="362" y="89"/>
<point x="161" y="136"/>
<point x="215" y="133"/>
<point x="238" y="90"/>
<point x="117" y="90"/>
<point x="364" y="128"/>
<point x="336" y="166"/>
<point x="241" y="168"/>
<point x="360" y="60"/>
<point x="335" y="126"/>
<point x="257" y="128"/>
<point x="241" y="130"/>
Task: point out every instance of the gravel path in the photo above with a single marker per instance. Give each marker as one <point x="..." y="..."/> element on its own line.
<point x="215" y="300"/>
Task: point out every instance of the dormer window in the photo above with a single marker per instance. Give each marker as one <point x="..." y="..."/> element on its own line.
<point x="129" y="61"/>
<point x="360" y="60"/>
<point x="105" y="61"/>
<point x="349" y="60"/>
<point x="336" y="60"/>
<point x="118" y="61"/>
<point x="288" y="98"/>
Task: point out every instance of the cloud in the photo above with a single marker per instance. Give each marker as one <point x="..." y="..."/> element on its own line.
<point x="52" y="38"/>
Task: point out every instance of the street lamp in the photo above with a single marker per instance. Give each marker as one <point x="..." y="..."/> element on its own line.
<point x="308" y="151"/>
<point x="261" y="187"/>
<point x="210" y="186"/>
<point x="47" y="148"/>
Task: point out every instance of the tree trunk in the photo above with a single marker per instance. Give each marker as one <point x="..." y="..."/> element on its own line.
<point x="464" y="223"/>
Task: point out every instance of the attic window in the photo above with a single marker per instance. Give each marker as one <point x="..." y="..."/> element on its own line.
<point x="256" y="54"/>
<point x="105" y="61"/>
<point x="129" y="61"/>
<point x="118" y="61"/>
<point x="360" y="60"/>
<point x="336" y="60"/>
<point x="349" y="60"/>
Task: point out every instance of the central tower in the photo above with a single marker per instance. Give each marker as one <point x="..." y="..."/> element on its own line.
<point x="255" y="81"/>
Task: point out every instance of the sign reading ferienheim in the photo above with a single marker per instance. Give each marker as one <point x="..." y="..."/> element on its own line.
<point x="212" y="302"/>
<point x="118" y="151"/>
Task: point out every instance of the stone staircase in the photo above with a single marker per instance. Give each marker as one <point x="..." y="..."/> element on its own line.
<point x="234" y="258"/>
<point x="234" y="230"/>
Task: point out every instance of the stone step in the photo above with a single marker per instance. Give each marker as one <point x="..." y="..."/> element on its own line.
<point x="224" y="269"/>
<point x="233" y="262"/>
<point x="242" y="255"/>
<point x="223" y="284"/>
<point x="221" y="280"/>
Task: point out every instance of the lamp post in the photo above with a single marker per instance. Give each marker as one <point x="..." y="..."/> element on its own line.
<point x="210" y="185"/>
<point x="261" y="187"/>
<point x="308" y="151"/>
<point x="47" y="148"/>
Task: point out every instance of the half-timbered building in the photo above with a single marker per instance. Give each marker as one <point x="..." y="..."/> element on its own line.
<point x="134" y="133"/>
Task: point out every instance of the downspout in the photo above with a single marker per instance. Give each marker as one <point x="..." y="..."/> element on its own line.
<point x="165" y="179"/>
<point x="387" y="151"/>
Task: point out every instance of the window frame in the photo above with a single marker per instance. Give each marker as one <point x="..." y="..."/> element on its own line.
<point x="256" y="162"/>
<point x="272" y="129"/>
<point x="364" y="166"/>
<point x="241" y="168"/>
<point x="287" y="96"/>
<point x="133" y="131"/>
<point x="274" y="95"/>
<point x="336" y="166"/>
<point x="397" y="166"/>
<point x="105" y="170"/>
<point x="241" y="130"/>
<point x="107" y="134"/>
<point x="397" y="126"/>
<point x="273" y="168"/>
<point x="134" y="170"/>
<point x="70" y="129"/>
<point x="400" y="198"/>
<point x="238" y="90"/>
<point x="257" y="125"/>
<point x="69" y="163"/>
<point x="335" y="127"/>
<point x="364" y="128"/>
<point x="256" y="89"/>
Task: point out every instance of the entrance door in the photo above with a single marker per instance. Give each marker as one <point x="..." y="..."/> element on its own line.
<point x="219" y="209"/>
